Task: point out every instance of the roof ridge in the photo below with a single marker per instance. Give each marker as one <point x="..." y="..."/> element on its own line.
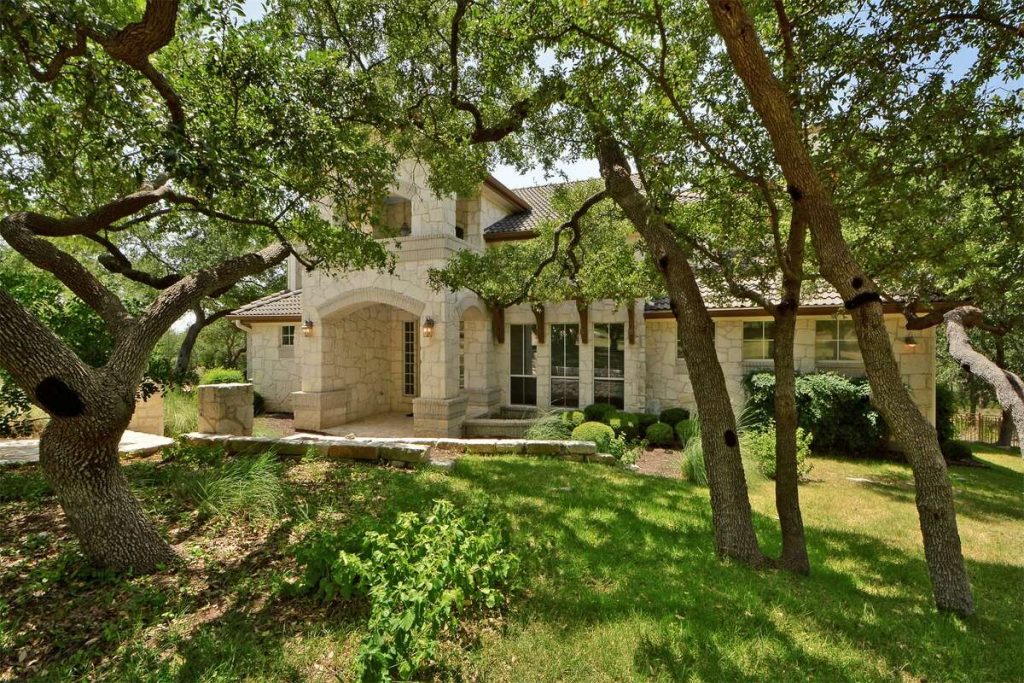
<point x="553" y="183"/>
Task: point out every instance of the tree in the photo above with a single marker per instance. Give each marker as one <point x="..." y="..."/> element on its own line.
<point x="177" y="123"/>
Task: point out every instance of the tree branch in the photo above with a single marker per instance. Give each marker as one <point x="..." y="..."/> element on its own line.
<point x="116" y="262"/>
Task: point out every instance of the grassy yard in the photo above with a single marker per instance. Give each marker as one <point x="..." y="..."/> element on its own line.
<point x="620" y="582"/>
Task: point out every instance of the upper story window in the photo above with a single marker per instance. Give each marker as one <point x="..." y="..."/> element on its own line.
<point x="395" y="217"/>
<point x="679" y="337"/>
<point x="835" y="340"/>
<point x="758" y="340"/>
<point x="610" y="364"/>
<point x="288" y="335"/>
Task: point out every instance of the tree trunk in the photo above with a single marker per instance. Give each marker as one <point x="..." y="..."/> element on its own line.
<point x="787" y="494"/>
<point x="188" y="343"/>
<point x="1005" y="418"/>
<point x="915" y="435"/>
<point x="80" y="459"/>
<point x="730" y="506"/>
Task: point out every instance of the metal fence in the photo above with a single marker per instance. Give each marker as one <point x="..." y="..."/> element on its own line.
<point x="980" y="427"/>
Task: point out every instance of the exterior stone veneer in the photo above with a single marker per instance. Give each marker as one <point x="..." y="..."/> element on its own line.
<point x="225" y="409"/>
<point x="148" y="417"/>
<point x="439" y="417"/>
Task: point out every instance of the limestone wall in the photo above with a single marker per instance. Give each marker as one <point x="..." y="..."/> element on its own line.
<point x="225" y="409"/>
<point x="272" y="368"/>
<point x="148" y="417"/>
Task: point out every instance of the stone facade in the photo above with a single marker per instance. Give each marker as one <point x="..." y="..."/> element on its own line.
<point x="386" y="342"/>
<point x="225" y="409"/>
<point x="148" y="417"/>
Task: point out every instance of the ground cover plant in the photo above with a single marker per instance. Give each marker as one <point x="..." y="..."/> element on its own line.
<point x="621" y="581"/>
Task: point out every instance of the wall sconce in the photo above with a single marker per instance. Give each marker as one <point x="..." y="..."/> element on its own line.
<point x="428" y="327"/>
<point x="910" y="342"/>
<point x="307" y="328"/>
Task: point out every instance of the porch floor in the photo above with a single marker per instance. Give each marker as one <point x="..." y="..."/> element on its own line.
<point x="383" y="424"/>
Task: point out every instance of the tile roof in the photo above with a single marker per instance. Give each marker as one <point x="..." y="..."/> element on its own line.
<point x="823" y="296"/>
<point x="286" y="304"/>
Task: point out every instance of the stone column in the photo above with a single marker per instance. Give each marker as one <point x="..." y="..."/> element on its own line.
<point x="441" y="406"/>
<point x="225" y="409"/>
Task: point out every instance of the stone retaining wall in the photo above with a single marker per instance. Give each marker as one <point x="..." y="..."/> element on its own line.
<point x="225" y="409"/>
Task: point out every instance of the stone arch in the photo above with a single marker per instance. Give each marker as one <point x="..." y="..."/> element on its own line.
<point x="470" y="305"/>
<point x="368" y="296"/>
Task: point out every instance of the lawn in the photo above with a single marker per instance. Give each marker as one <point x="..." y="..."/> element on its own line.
<point x="620" y="582"/>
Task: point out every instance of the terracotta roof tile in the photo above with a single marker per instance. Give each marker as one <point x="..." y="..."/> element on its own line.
<point x="286" y="304"/>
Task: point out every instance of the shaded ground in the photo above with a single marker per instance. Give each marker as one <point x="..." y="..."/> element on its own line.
<point x="620" y="581"/>
<point x="660" y="462"/>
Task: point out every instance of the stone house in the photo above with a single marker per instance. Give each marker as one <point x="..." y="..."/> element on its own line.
<point x="339" y="349"/>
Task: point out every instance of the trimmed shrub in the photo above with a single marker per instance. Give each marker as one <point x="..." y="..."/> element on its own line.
<point x="626" y="425"/>
<point x="686" y="430"/>
<point x="645" y="420"/>
<point x="598" y="432"/>
<point x="693" y="455"/>
<point x="945" y="407"/>
<point x="599" y="412"/>
<point x="222" y="376"/>
<point x="671" y="416"/>
<point x="835" y="410"/>
<point x="573" y="418"/>
<point x="956" y="451"/>
<point x="759" y="446"/>
<point x="660" y="434"/>
<point x="552" y="426"/>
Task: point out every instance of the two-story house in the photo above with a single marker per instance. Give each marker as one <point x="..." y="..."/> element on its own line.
<point x="335" y="350"/>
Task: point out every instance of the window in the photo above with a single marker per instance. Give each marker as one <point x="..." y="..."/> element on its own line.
<point x="758" y="340"/>
<point x="679" y="337"/>
<point x="409" y="358"/>
<point x="462" y="354"/>
<point x="835" y="340"/>
<point x="565" y="366"/>
<point x="288" y="335"/>
<point x="523" y="384"/>
<point x="609" y="364"/>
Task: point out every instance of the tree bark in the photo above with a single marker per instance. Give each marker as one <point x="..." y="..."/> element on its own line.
<point x="730" y="506"/>
<point x="914" y="434"/>
<point x="188" y="343"/>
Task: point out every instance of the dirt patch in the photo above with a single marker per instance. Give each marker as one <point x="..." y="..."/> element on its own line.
<point x="661" y="463"/>
<point x="274" y="424"/>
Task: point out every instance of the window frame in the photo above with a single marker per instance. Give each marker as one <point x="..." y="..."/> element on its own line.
<point x="409" y="357"/>
<point x="609" y="379"/>
<point x="566" y="380"/>
<point x="837" y="342"/>
<point x="287" y="336"/>
<point x="766" y="341"/>
<point x="526" y="332"/>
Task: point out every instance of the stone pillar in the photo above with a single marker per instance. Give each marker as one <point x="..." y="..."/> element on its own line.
<point x="225" y="409"/>
<point x="148" y="417"/>
<point x="441" y="406"/>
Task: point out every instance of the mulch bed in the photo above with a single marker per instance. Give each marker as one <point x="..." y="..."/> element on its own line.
<point x="661" y="463"/>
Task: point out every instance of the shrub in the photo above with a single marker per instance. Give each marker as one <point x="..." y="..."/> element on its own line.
<point x="645" y="420"/>
<point x="686" y="430"/>
<point x="573" y="418"/>
<point x="599" y="412"/>
<point x="598" y="432"/>
<point x="246" y="486"/>
<point x="259" y="404"/>
<point x="671" y="416"/>
<point x="835" y="410"/>
<point x="626" y="425"/>
<point x="222" y="376"/>
<point x="759" y="446"/>
<point x="181" y="412"/>
<point x="550" y="426"/>
<point x="693" y="467"/>
<point x="956" y="451"/>
<point x="945" y="407"/>
<point x="660" y="434"/>
<point x="418" y="576"/>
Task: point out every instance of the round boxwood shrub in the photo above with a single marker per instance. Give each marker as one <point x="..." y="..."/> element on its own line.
<point x="645" y="420"/>
<point x="759" y="446"/>
<point x="686" y="430"/>
<point x="626" y="425"/>
<point x="598" y="432"/>
<point x="222" y="376"/>
<point x="573" y="418"/>
<point x="659" y="434"/>
<point x="671" y="416"/>
<point x="599" y="412"/>
<point x="956" y="451"/>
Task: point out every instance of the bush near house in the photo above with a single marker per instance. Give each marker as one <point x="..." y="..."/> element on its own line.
<point x="222" y="376"/>
<point x="759" y="446"/>
<point x="573" y="418"/>
<point x="834" y="409"/>
<point x="671" y="416"/>
<point x="646" y="420"/>
<point x="686" y="430"/>
<point x="599" y="412"/>
<point x="551" y="426"/>
<point x="626" y="425"/>
<point x="598" y="432"/>
<point x="660" y="434"/>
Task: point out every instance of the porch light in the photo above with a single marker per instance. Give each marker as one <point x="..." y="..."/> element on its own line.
<point x="910" y="342"/>
<point x="428" y="327"/>
<point x="307" y="328"/>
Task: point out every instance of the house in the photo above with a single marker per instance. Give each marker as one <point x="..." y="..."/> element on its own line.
<point x="336" y="349"/>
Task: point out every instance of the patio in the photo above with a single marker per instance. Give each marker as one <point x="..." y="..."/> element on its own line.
<point x="382" y="424"/>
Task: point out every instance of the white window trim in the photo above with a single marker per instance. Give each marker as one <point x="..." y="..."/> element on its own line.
<point x="287" y="333"/>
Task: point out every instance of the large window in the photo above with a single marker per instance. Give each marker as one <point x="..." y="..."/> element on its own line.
<point x="288" y="335"/>
<point x="409" y="358"/>
<point x="609" y="364"/>
<point x="523" y="384"/>
<point x="565" y="366"/>
<point x="835" y="340"/>
<point x="758" y="340"/>
<point x="679" y="337"/>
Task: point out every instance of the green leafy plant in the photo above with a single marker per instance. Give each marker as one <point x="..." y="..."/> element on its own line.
<point x="626" y="425"/>
<point x="645" y="420"/>
<point x="758" y="445"/>
<point x="573" y="418"/>
<point x="660" y="434"/>
<point x="598" y="432"/>
<point x="552" y="426"/>
<point x="419" y="576"/>
<point x="222" y="376"/>
<point x="245" y="486"/>
<point x="686" y="430"/>
<point x="599" y="412"/>
<point x="956" y="451"/>
<point x="671" y="416"/>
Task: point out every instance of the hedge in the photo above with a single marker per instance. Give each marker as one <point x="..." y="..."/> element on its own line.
<point x="671" y="416"/>
<point x="599" y="412"/>
<point x="660" y="434"/>
<point x="598" y="432"/>
<point x="222" y="376"/>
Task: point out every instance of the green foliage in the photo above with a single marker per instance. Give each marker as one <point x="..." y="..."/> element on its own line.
<point x="956" y="451"/>
<point x="599" y="412"/>
<point x="249" y="487"/>
<point x="945" y="408"/>
<point x="259" y="404"/>
<point x="626" y="425"/>
<point x="551" y="426"/>
<point x="645" y="420"/>
<point x="23" y="484"/>
<point x="195" y="456"/>
<point x="835" y="410"/>
<point x="181" y="412"/>
<point x="686" y="430"/>
<point x="660" y="434"/>
<point x="418" y="576"/>
<point x="15" y="409"/>
<point x="673" y="416"/>
<point x="759" y="446"/>
<point x="693" y="467"/>
<point x="574" y="418"/>
<point x="222" y="376"/>
<point x="598" y="432"/>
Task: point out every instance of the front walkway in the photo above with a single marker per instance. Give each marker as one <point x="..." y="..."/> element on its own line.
<point x="132" y="443"/>
<point x="384" y="424"/>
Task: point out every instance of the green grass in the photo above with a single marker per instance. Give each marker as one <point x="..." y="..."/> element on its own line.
<point x="181" y="412"/>
<point x="622" y="582"/>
